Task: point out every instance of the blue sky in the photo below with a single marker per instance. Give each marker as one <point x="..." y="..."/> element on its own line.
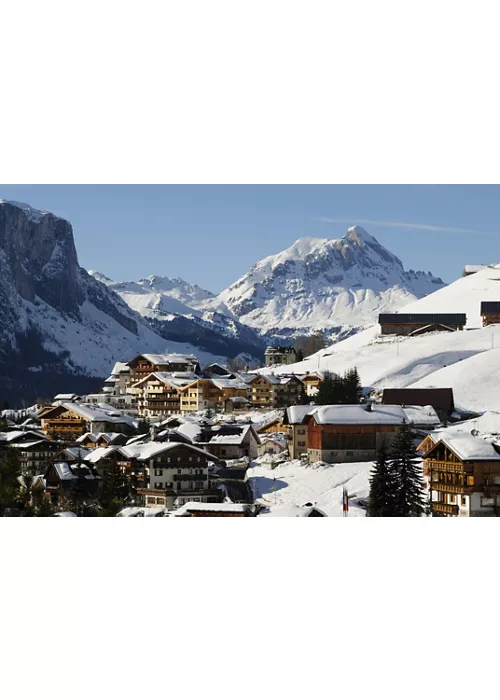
<point x="212" y="234"/>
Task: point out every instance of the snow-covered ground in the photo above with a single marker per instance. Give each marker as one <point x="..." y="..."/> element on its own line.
<point x="467" y="361"/>
<point x="321" y="484"/>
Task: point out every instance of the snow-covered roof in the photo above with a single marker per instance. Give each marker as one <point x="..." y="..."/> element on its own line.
<point x="172" y="359"/>
<point x="94" y="437"/>
<point x="98" y="413"/>
<point x="296" y="414"/>
<point x="63" y="470"/>
<point x="148" y="450"/>
<point x="421" y="415"/>
<point x="15" y="435"/>
<point x="193" y="506"/>
<point x="473" y="448"/>
<point x="76" y="452"/>
<point x="100" y="453"/>
<point x="230" y="439"/>
<point x="119" y="368"/>
<point x="290" y="511"/>
<point x="357" y="414"/>
<point x="65" y="397"/>
<point x="229" y="383"/>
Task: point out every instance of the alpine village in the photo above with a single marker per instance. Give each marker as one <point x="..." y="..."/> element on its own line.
<point x="388" y="420"/>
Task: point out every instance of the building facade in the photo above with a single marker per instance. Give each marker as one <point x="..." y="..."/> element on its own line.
<point x="278" y="355"/>
<point x="414" y="324"/>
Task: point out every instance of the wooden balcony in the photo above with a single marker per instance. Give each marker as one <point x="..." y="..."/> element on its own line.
<point x="452" y="488"/>
<point x="445" y="508"/>
<point x="455" y="467"/>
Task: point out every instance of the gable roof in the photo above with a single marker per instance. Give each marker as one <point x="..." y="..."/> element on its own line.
<point x="458" y="319"/>
<point x="470" y="448"/>
<point x="490" y="307"/>
<point x="438" y="398"/>
<point x="357" y="414"/>
<point x="171" y="359"/>
<point x="147" y="450"/>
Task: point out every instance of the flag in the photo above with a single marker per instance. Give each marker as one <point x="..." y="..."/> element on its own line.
<point x="345" y="500"/>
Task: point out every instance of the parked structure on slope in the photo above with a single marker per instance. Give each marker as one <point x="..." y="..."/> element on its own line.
<point x="490" y="312"/>
<point x="441" y="399"/>
<point x="416" y="324"/>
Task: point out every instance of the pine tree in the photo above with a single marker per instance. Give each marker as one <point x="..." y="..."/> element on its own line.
<point x="327" y="391"/>
<point x="354" y="389"/>
<point x="10" y="470"/>
<point x="383" y="498"/>
<point x="408" y="474"/>
<point x="113" y="489"/>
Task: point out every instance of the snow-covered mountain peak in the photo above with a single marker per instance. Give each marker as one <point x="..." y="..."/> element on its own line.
<point x="319" y="284"/>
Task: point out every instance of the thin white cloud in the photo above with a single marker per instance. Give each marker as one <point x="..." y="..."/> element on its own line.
<point x="407" y="225"/>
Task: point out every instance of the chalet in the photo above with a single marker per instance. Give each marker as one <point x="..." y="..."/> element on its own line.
<point x="234" y="442"/>
<point x="351" y="433"/>
<point x="64" y="480"/>
<point x="92" y="440"/>
<point x="312" y="381"/>
<point x="417" y="324"/>
<point x="441" y="399"/>
<point x="270" y="391"/>
<point x="159" y="393"/>
<point x="298" y="429"/>
<point x="278" y="355"/>
<point x="204" y="394"/>
<point x="143" y="365"/>
<point x="272" y="445"/>
<point x="490" y="312"/>
<point x="70" y="421"/>
<point x="464" y="476"/>
<point x="216" y="370"/>
<point x="176" y="473"/>
<point x="276" y="425"/>
<point x="35" y="456"/>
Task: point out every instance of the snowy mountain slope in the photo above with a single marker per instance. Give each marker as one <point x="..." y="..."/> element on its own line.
<point x="53" y="315"/>
<point x="321" y="284"/>
<point x="173" y="308"/>
<point x="462" y="296"/>
<point x="465" y="360"/>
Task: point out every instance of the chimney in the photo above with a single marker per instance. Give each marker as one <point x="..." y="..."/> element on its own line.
<point x="368" y="406"/>
<point x="152" y="434"/>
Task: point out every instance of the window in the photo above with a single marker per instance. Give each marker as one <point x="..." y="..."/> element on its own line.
<point x="178" y="459"/>
<point x="157" y="485"/>
<point x="190" y="459"/>
<point x="179" y="471"/>
<point x="463" y="501"/>
<point x="470" y="481"/>
<point x="158" y="472"/>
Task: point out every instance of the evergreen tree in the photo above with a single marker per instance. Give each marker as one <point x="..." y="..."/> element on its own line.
<point x="10" y="470"/>
<point x="113" y="490"/>
<point x="300" y="354"/>
<point x="408" y="474"/>
<point x="383" y="498"/>
<point x="328" y="391"/>
<point x="353" y="388"/>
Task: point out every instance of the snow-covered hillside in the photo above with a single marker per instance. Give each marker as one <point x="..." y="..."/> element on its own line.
<point x="175" y="309"/>
<point x="321" y="284"/>
<point x="468" y="361"/>
<point x="293" y="484"/>
<point x="52" y="312"/>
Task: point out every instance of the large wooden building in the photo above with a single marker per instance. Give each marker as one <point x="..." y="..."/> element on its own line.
<point x="490" y="312"/>
<point x="463" y="474"/>
<point x="159" y="393"/>
<point x="213" y="394"/>
<point x="441" y="399"/>
<point x="417" y="324"/>
<point x="351" y="433"/>
<point x="143" y="365"/>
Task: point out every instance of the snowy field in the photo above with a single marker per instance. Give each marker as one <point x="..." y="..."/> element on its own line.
<point x="293" y="483"/>
<point x="468" y="361"/>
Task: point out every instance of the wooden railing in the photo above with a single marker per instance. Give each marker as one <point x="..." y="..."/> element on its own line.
<point x="451" y="488"/>
<point x="444" y="466"/>
<point x="445" y="508"/>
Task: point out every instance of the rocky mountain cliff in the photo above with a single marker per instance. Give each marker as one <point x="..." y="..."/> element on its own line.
<point x="55" y="318"/>
<point x="333" y="286"/>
